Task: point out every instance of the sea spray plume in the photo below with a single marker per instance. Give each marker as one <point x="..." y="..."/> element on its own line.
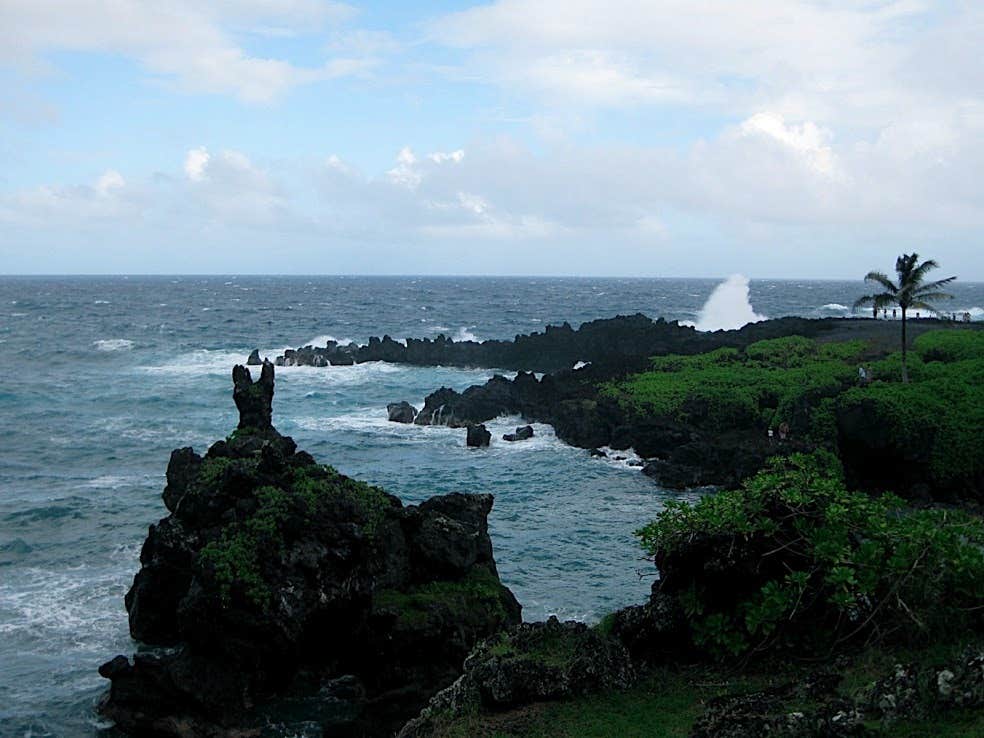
<point x="728" y="306"/>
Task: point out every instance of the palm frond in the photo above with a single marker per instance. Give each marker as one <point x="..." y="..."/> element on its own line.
<point x="933" y="285"/>
<point x="919" y="272"/>
<point x="903" y="267"/>
<point x="922" y="296"/>
<point x="880" y="300"/>
<point x="882" y="279"/>
<point x="920" y="305"/>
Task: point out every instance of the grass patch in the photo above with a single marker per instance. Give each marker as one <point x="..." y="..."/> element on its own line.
<point x="478" y="591"/>
<point x="667" y="701"/>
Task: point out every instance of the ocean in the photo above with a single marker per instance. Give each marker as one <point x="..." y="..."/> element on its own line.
<point x="104" y="376"/>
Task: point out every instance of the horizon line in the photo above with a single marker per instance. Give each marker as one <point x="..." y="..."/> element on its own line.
<point x="197" y="275"/>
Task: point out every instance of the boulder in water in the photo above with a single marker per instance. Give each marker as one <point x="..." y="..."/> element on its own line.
<point x="254" y="358"/>
<point x="401" y="412"/>
<point x="522" y="434"/>
<point x="478" y="436"/>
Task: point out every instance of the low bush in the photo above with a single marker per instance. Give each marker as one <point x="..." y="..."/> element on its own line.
<point x="771" y="382"/>
<point x="794" y="559"/>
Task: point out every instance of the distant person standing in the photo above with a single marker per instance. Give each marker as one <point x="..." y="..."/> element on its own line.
<point x="966" y="317"/>
<point x="893" y="313"/>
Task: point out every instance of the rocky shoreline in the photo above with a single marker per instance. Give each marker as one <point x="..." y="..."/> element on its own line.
<point x="281" y="597"/>
<point x="620" y="344"/>
<point x="574" y="363"/>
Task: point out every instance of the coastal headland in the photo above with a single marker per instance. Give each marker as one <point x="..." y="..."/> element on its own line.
<point x="829" y="585"/>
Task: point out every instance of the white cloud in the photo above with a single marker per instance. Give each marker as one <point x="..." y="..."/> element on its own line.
<point x="110" y="180"/>
<point x="194" y="164"/>
<point x="760" y="180"/>
<point x="849" y="60"/>
<point x="807" y="140"/>
<point x="189" y="42"/>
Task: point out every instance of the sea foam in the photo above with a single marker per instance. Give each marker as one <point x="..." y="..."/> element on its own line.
<point x="113" y="344"/>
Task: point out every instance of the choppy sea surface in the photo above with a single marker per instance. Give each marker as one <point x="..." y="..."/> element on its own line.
<point x="104" y="376"/>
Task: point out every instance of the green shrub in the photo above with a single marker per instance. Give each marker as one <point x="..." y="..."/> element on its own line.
<point x="235" y="557"/>
<point x="938" y="415"/>
<point x="950" y="345"/>
<point x="831" y="566"/>
<point x="234" y="560"/>
<point x="774" y="381"/>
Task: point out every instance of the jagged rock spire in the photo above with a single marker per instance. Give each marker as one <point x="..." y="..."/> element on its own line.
<point x="254" y="399"/>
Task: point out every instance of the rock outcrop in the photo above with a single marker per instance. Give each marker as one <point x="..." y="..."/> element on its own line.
<point x="609" y="341"/>
<point x="478" y="436"/>
<point x="278" y="581"/>
<point x="531" y="663"/>
<point x="401" y="412"/>
<point x="523" y="433"/>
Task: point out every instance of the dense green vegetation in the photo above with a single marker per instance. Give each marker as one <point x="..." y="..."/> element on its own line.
<point x="831" y="566"/>
<point x="941" y="411"/>
<point x="235" y="560"/>
<point x="803" y="383"/>
<point x="770" y="382"/>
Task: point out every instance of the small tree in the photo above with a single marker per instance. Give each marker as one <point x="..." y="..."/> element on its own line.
<point x="910" y="292"/>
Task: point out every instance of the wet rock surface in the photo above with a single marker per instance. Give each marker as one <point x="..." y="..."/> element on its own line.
<point x="274" y="577"/>
<point x="523" y="433"/>
<point x="609" y="341"/>
<point x="401" y="412"/>
<point x="478" y="436"/>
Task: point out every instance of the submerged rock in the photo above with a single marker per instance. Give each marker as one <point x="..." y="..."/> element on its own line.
<point x="274" y="577"/>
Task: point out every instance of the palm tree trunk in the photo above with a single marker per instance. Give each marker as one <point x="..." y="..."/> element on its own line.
<point x="905" y="370"/>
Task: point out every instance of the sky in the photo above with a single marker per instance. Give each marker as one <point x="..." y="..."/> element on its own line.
<point x="776" y="138"/>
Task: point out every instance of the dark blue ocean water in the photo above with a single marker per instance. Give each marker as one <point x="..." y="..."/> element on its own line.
<point x="104" y="376"/>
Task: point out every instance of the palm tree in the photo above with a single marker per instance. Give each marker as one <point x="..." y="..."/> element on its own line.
<point x="911" y="292"/>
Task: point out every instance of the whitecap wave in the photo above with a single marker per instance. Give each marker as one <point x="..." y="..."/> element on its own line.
<point x="728" y="306"/>
<point x="204" y="361"/>
<point x="834" y="306"/>
<point x="100" y="302"/>
<point x="113" y="344"/>
<point x="322" y="341"/>
<point x="464" y="334"/>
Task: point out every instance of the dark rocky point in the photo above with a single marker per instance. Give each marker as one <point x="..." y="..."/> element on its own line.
<point x="288" y="593"/>
<point x="254" y="358"/>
